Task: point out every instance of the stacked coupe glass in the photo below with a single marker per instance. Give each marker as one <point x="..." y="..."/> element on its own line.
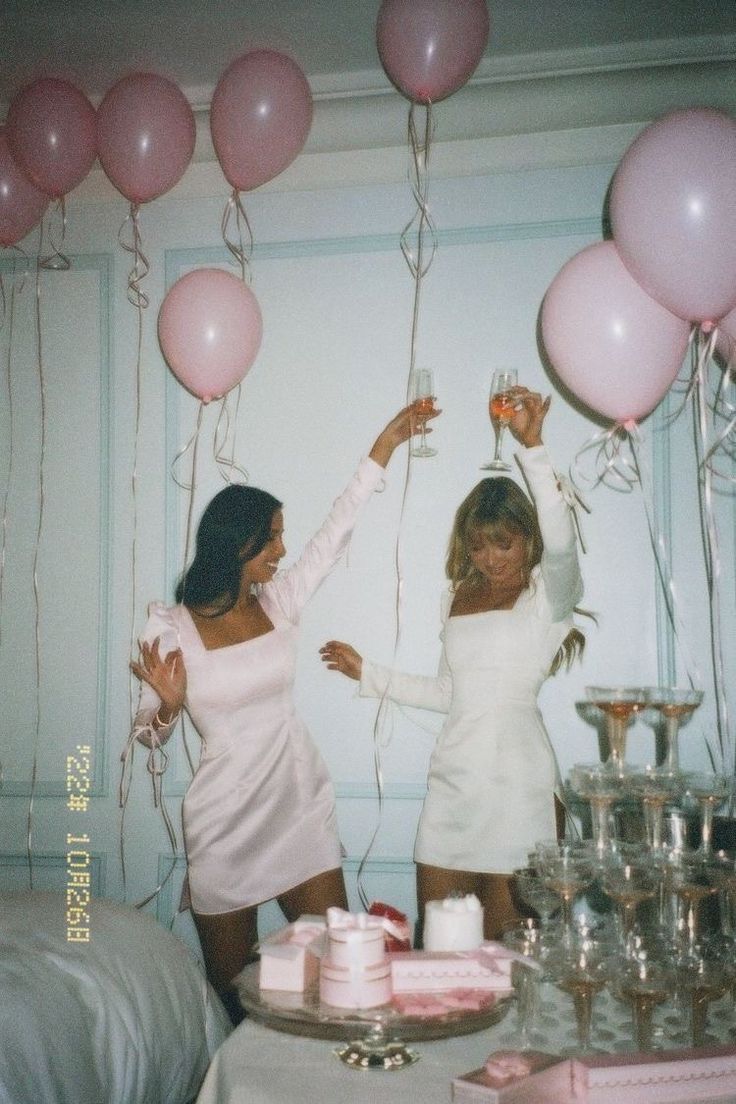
<point x="643" y="909"/>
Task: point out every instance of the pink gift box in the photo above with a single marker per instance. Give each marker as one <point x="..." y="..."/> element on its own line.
<point x="660" y="1077"/>
<point x="425" y="971"/>
<point x="290" y="957"/>
<point x="515" y="1077"/>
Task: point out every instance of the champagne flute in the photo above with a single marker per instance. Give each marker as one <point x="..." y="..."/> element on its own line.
<point x="421" y="392"/>
<point x="500" y="409"/>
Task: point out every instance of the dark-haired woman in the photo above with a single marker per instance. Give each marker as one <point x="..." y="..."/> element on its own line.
<point x="507" y="624"/>
<point x="259" y="815"/>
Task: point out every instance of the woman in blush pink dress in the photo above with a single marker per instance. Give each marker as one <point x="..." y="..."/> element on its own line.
<point x="259" y="815"/>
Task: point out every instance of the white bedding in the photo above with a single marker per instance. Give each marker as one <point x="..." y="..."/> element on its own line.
<point x="127" y="1018"/>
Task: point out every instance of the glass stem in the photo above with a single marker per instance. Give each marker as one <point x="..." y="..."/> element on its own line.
<point x="706" y="827"/>
<point x="616" y="732"/>
<point x="499" y="436"/>
<point x="671" y="729"/>
<point x="600" y="808"/>
<point x="653" y="823"/>
<point x="583" y="1016"/>
<point x="642" y="1013"/>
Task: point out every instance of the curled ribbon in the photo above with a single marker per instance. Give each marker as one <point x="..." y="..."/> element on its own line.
<point x="242" y="252"/>
<point x="56" y="260"/>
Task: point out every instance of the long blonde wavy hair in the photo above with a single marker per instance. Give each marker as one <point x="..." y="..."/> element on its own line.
<point x="498" y="508"/>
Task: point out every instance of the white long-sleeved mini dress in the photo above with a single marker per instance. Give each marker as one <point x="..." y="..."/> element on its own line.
<point x="493" y="772"/>
<point x="259" y="814"/>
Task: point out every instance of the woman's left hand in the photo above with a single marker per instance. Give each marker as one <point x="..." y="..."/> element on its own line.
<point x="529" y="412"/>
<point x="398" y="430"/>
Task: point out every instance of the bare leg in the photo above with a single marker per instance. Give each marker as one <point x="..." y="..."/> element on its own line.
<point x="560" y="818"/>
<point x="498" y="903"/>
<point x="228" y="942"/>
<point x="315" y="896"/>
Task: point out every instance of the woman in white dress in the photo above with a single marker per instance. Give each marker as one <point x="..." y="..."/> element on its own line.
<point x="259" y="815"/>
<point x="493" y="783"/>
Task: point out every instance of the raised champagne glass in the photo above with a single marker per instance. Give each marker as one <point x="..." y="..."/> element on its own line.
<point x="675" y="704"/>
<point x="619" y="704"/>
<point x="421" y="392"/>
<point x="500" y="409"/>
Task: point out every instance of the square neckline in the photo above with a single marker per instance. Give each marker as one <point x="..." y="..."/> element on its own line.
<point x="235" y="644"/>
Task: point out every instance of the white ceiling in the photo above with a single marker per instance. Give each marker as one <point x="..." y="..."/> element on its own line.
<point x="94" y="42"/>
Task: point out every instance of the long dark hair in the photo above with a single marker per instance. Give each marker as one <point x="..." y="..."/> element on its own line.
<point x="495" y="508"/>
<point x="234" y="527"/>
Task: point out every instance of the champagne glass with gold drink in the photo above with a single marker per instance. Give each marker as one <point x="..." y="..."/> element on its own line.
<point x="500" y="408"/>
<point x="421" y="393"/>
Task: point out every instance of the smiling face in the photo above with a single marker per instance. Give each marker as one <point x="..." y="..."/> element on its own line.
<point x="262" y="567"/>
<point x="501" y="556"/>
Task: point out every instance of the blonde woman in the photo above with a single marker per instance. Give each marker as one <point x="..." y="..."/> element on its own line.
<point x="493" y="786"/>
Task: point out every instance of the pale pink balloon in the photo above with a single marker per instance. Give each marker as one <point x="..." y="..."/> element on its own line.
<point x="145" y="135"/>
<point x="673" y="211"/>
<point x="51" y="130"/>
<point x="260" y="117"/>
<point x="22" y="204"/>
<point x="613" y="346"/>
<point x="430" y="48"/>
<point x="209" y="328"/>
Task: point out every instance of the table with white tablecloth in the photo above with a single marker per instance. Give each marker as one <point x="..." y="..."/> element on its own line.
<point x="259" y="1065"/>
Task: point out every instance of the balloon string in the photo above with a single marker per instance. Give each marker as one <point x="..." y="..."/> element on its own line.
<point x="139" y="301"/>
<point x="36" y="591"/>
<point x="608" y="464"/>
<point x="711" y="547"/>
<point x="420" y="224"/>
<point x="242" y="253"/>
<point x="11" y="443"/>
<point x="662" y="559"/>
<point x="56" y="260"/>
<point x="227" y="465"/>
<point x="187" y="547"/>
<point x="724" y="439"/>
<point x="141" y="266"/>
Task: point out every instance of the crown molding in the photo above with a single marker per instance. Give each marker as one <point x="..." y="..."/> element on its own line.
<point x="557" y="108"/>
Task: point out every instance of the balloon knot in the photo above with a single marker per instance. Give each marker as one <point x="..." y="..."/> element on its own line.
<point x="707" y="326"/>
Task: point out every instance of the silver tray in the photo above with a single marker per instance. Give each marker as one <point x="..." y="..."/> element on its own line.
<point x="304" y="1014"/>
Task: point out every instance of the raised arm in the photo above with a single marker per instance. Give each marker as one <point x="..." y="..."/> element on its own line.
<point x="563" y="584"/>
<point x="292" y="588"/>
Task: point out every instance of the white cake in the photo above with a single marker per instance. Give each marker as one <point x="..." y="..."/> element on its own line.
<point x="453" y="924"/>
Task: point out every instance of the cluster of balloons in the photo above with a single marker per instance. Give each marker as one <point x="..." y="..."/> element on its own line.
<point x="616" y="319"/>
<point x="143" y="132"/>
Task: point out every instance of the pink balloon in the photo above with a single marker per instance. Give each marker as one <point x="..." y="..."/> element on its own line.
<point x="145" y="135"/>
<point x="51" y="130"/>
<point x="673" y="210"/>
<point x="429" y="48"/>
<point x="260" y="116"/>
<point x="614" y="347"/>
<point x="210" y="329"/>
<point x="21" y="203"/>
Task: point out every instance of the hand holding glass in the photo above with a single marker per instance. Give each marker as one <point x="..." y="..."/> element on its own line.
<point x="500" y="408"/>
<point x="421" y="392"/>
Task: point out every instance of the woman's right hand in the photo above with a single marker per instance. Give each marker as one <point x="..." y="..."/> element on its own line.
<point x="342" y="657"/>
<point x="165" y="674"/>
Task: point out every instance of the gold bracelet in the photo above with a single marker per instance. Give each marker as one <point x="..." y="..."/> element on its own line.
<point x="165" y="724"/>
